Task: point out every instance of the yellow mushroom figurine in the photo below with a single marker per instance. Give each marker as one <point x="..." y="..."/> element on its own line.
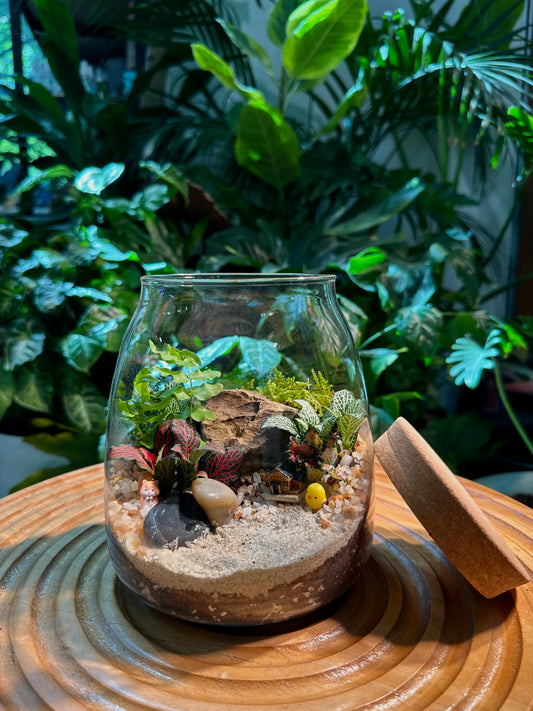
<point x="315" y="496"/>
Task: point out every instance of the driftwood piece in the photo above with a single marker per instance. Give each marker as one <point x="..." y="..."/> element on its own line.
<point x="239" y="416"/>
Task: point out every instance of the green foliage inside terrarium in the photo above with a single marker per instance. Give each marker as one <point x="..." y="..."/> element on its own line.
<point x="174" y="459"/>
<point x="175" y="386"/>
<point x="344" y="411"/>
<point x="169" y="400"/>
<point x="288" y="390"/>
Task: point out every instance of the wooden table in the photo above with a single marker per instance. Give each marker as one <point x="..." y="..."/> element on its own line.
<point x="412" y="635"/>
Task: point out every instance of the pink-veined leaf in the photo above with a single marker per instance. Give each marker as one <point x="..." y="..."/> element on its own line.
<point x="176" y="433"/>
<point x="142" y="457"/>
<point x="224" y="466"/>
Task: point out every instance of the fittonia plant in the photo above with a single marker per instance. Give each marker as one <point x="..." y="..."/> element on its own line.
<point x="308" y="429"/>
<point x="175" y="458"/>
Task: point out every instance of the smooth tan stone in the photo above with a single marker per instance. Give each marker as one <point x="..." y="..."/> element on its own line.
<point x="217" y="500"/>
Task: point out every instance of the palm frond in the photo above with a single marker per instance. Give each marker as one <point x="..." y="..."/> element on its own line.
<point x="182" y="22"/>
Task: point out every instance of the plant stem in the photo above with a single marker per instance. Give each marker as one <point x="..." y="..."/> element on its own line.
<point x="281" y="94"/>
<point x="283" y="214"/>
<point x="508" y="408"/>
<point x="443" y="149"/>
<point x="497" y="242"/>
<point x="377" y="335"/>
<point x="506" y="287"/>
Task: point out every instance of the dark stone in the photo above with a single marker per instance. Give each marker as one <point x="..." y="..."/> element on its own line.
<point x="174" y="522"/>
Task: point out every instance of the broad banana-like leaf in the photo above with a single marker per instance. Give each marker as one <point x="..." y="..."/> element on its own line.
<point x="267" y="146"/>
<point x="320" y="35"/>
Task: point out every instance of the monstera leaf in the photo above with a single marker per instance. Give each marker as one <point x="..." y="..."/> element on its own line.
<point x="471" y="359"/>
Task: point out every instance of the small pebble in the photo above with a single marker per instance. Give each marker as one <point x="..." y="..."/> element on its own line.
<point x="175" y="522"/>
<point x="216" y="498"/>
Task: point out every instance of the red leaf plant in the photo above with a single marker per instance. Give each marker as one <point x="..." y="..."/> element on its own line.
<point x="301" y="452"/>
<point x="177" y="452"/>
<point x="176" y="436"/>
<point x="225" y="466"/>
<point x="141" y="456"/>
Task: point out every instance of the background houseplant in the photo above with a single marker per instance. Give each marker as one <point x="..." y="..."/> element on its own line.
<point x="331" y="181"/>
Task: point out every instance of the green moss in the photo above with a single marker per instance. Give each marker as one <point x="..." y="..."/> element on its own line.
<point x="288" y="390"/>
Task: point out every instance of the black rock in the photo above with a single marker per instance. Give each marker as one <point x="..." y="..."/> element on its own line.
<point x="174" y="522"/>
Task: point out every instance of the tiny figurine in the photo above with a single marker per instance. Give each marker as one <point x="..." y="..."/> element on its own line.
<point x="149" y="492"/>
<point x="315" y="496"/>
<point x="284" y="483"/>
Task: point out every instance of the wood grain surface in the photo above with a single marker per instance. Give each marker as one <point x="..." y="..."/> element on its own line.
<point x="411" y="634"/>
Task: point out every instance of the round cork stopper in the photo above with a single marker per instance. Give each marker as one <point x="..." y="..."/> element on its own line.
<point x="448" y="513"/>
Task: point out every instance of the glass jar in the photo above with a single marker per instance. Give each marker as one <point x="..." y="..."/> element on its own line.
<point x="239" y="452"/>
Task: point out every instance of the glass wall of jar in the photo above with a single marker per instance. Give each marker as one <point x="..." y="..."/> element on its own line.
<point x="239" y="452"/>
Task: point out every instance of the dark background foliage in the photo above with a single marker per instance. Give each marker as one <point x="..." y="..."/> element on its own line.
<point x="358" y="169"/>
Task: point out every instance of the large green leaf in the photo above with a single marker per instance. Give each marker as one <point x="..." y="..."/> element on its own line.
<point x="211" y="62"/>
<point x="260" y="355"/>
<point x="471" y="359"/>
<point x="93" y="180"/>
<point x="353" y="98"/>
<point x="420" y="325"/>
<point x="34" y="390"/>
<point x="320" y="34"/>
<point x="247" y="45"/>
<point x="277" y="20"/>
<point x="85" y="406"/>
<point x="7" y="391"/>
<point x="20" y="345"/>
<point x="218" y="348"/>
<point x="267" y="146"/>
<point x="81" y="351"/>
<point x="382" y="210"/>
<point x="40" y="176"/>
<point x="49" y="294"/>
<point x="46" y="107"/>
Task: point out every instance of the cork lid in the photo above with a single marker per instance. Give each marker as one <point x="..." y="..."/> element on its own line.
<point x="448" y="513"/>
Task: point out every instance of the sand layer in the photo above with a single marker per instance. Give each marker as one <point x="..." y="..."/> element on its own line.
<point x="273" y="561"/>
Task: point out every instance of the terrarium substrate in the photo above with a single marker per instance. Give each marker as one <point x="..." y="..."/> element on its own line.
<point x="272" y="560"/>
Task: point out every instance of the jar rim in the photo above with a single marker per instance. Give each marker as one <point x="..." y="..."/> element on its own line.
<point x="235" y="278"/>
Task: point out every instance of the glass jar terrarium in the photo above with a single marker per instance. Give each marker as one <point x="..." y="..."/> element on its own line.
<point x="239" y="452"/>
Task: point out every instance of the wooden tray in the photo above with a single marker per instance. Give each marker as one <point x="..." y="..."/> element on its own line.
<point x="412" y="634"/>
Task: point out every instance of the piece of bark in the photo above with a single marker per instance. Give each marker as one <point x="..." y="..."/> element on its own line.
<point x="239" y="416"/>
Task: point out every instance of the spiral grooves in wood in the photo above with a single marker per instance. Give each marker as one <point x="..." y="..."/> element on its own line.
<point x="411" y="634"/>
